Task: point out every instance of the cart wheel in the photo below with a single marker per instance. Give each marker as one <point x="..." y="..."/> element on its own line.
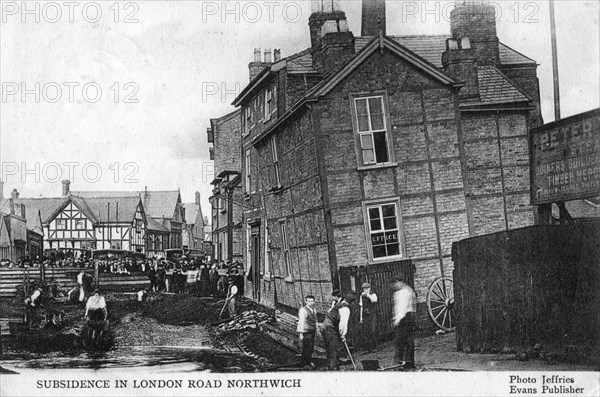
<point x="440" y="303"/>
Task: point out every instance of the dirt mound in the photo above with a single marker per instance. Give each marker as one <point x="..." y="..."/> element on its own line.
<point x="182" y="309"/>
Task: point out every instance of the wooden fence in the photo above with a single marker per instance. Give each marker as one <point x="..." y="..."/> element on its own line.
<point x="66" y="278"/>
<point x="538" y="284"/>
<point x="380" y="276"/>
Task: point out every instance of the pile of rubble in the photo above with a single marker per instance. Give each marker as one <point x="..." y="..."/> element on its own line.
<point x="248" y="319"/>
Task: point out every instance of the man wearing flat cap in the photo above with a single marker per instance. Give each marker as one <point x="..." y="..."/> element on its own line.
<point x="334" y="330"/>
<point x="367" y="303"/>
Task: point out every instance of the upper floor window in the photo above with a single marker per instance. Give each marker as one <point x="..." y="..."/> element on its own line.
<point x="384" y="230"/>
<point x="371" y="129"/>
<point x="275" y="162"/>
<point x="285" y="248"/>
<point x="61" y="224"/>
<point x="247" y="119"/>
<point x="80" y="224"/>
<point x="269" y="102"/>
<point x="247" y="171"/>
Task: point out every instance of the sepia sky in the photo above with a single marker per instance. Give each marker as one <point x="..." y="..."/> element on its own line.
<point x="153" y="83"/>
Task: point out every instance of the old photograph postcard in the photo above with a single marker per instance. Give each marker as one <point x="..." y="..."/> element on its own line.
<point x="299" y="197"/>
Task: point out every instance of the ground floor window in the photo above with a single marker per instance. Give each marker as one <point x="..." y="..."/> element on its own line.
<point x="384" y="232"/>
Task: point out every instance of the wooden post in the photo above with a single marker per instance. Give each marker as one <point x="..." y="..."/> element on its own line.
<point x="96" y="273"/>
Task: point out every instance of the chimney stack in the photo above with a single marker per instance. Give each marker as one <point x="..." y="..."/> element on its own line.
<point x="276" y="55"/>
<point x="460" y="61"/>
<point x="256" y="66"/>
<point x="14" y="194"/>
<point x="332" y="42"/>
<point x="66" y="190"/>
<point x="373" y="17"/>
<point x="476" y="19"/>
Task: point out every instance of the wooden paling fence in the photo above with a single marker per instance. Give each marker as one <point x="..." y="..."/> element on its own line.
<point x="66" y="278"/>
<point x="380" y="276"/>
<point x="539" y="284"/>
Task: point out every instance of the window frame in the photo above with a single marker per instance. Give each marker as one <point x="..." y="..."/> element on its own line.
<point x="391" y="161"/>
<point x="285" y="249"/>
<point x="248" y="172"/>
<point x="246" y="120"/>
<point x="267" y="261"/>
<point x="366" y="205"/>
<point x="64" y="226"/>
<point x="77" y="221"/>
<point x="275" y="158"/>
<point x="268" y="104"/>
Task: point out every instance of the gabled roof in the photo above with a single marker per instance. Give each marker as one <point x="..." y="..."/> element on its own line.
<point x="78" y="202"/>
<point x="375" y="44"/>
<point x="157" y="204"/>
<point x="496" y="89"/>
<point x="155" y="226"/>
<point x="45" y="206"/>
<point x="122" y="209"/>
<point x="191" y="212"/>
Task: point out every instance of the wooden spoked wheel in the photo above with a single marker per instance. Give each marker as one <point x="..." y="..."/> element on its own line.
<point x="440" y="303"/>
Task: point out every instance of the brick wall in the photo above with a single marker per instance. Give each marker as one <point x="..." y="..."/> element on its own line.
<point x="427" y="179"/>
<point x="227" y="135"/>
<point x="496" y="158"/>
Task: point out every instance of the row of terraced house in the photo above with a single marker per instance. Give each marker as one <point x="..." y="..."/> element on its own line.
<point x="362" y="152"/>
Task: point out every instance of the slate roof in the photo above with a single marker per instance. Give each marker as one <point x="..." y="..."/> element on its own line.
<point x="191" y="212"/>
<point x="46" y="206"/>
<point x="495" y="88"/>
<point x="155" y="226"/>
<point x="157" y="204"/>
<point x="429" y="47"/>
<point x="122" y="209"/>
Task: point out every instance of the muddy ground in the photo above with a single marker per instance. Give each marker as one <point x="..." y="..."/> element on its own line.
<point x="164" y="321"/>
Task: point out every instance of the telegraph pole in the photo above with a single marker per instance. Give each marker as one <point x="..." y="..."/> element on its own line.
<point x="554" y="63"/>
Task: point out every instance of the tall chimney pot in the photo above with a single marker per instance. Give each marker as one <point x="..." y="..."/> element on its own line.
<point x="276" y="55"/>
<point x="257" y="55"/>
<point x="268" y="56"/>
<point x="66" y="187"/>
<point x="14" y="194"/>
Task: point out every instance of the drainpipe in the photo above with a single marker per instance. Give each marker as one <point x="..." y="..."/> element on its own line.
<point x="230" y="224"/>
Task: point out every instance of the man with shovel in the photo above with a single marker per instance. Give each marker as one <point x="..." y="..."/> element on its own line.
<point x="334" y="329"/>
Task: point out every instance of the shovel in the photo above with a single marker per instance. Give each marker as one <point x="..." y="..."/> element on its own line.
<point x="373" y="365"/>
<point x="350" y="355"/>
<point x="224" y="306"/>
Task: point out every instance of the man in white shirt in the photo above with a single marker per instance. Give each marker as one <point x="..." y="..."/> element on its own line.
<point x="405" y="308"/>
<point x="334" y="330"/>
<point x="307" y="327"/>
<point x="95" y="308"/>
<point x="232" y="297"/>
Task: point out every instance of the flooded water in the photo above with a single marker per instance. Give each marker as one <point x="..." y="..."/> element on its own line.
<point x="158" y="358"/>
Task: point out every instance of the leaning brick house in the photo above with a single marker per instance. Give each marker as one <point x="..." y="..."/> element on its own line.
<point x="378" y="150"/>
